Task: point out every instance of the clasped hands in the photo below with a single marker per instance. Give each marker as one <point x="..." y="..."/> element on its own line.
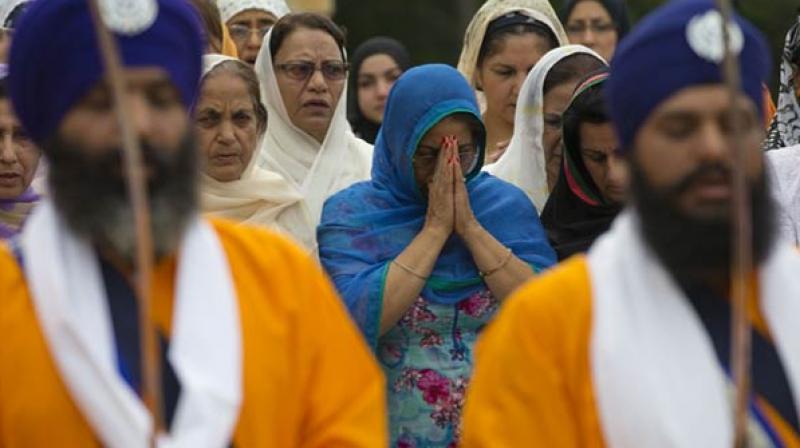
<point x="449" y="209"/>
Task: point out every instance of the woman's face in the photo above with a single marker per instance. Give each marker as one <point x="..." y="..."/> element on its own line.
<point x="19" y="157"/>
<point x="226" y="126"/>
<point x="591" y="25"/>
<point x="375" y="78"/>
<point x="247" y="30"/>
<point x="599" y="146"/>
<point x="311" y="77"/>
<point x="555" y="103"/>
<point x="502" y="74"/>
<point x="427" y="153"/>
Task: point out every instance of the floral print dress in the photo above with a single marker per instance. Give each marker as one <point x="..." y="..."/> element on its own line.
<point x="427" y="358"/>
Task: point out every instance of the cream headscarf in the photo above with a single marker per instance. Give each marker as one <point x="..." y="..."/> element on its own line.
<point x="523" y="163"/>
<point x="540" y="10"/>
<point x="259" y="197"/>
<point x="317" y="171"/>
<point x="229" y="8"/>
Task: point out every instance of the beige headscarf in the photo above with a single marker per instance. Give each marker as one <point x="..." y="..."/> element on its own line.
<point x="316" y="171"/>
<point x="260" y="197"/>
<point x="476" y="31"/>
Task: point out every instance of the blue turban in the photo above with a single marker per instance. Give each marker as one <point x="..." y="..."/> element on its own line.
<point x="678" y="46"/>
<point x="55" y="60"/>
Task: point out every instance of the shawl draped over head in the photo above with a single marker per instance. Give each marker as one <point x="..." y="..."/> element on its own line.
<point x="13" y="213"/>
<point x="523" y="162"/>
<point x="785" y="128"/>
<point x="229" y="8"/>
<point x="362" y="126"/>
<point x="260" y="197"/>
<point x="540" y="10"/>
<point x="10" y="11"/>
<point x="315" y="170"/>
<point x="617" y="9"/>
<point x="576" y="212"/>
<point x="366" y="226"/>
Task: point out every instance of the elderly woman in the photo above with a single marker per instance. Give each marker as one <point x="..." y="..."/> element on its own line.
<point x="533" y="157"/>
<point x="597" y="24"/>
<point x="303" y="74"/>
<point x="19" y="158"/>
<point x="503" y="42"/>
<point x="426" y="250"/>
<point x="229" y="122"/>
<point x="376" y="65"/>
<point x="248" y="21"/>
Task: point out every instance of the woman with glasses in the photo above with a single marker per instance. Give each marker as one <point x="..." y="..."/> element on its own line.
<point x="248" y="21"/>
<point x="303" y="75"/>
<point x="425" y="251"/>
<point x="503" y="42"/>
<point x="533" y="158"/>
<point x="597" y="24"/>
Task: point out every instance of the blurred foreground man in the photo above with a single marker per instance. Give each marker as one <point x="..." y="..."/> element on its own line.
<point x="256" y="349"/>
<point x="629" y="346"/>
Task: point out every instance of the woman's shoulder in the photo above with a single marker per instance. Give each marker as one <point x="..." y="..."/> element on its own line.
<point x="348" y="200"/>
<point x="504" y="193"/>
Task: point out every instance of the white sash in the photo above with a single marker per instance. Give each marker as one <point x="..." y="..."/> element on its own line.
<point x="655" y="372"/>
<point x="205" y="349"/>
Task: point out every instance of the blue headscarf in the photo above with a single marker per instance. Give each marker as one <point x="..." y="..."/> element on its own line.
<point x="367" y="225"/>
<point x="55" y="61"/>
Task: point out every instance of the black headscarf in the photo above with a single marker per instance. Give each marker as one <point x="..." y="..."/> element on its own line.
<point x="576" y="212"/>
<point x="363" y="127"/>
<point x="617" y="9"/>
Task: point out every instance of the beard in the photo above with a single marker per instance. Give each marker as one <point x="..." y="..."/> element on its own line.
<point x="692" y="247"/>
<point x="91" y="195"/>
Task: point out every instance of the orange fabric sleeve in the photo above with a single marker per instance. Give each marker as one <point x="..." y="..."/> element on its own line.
<point x="532" y="383"/>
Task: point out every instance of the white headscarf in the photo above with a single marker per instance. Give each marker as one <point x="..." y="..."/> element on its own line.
<point x="7" y="7"/>
<point x="523" y="163"/>
<point x="317" y="171"/>
<point x="540" y="10"/>
<point x="260" y="197"/>
<point x="229" y="8"/>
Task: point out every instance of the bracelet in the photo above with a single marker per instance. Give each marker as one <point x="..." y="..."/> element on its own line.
<point x="499" y="267"/>
<point x="409" y="270"/>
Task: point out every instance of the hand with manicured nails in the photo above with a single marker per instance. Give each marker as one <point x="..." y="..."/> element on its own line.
<point x="464" y="218"/>
<point x="440" y="214"/>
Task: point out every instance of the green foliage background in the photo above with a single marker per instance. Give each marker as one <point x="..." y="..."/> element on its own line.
<point x="433" y="29"/>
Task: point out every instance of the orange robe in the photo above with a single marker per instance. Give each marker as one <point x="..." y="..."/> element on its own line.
<point x="308" y="378"/>
<point x="532" y="384"/>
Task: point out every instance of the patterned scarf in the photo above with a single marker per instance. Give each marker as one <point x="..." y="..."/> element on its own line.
<point x="13" y="213"/>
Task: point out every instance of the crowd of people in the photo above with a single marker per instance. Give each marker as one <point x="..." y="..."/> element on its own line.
<point x="532" y="248"/>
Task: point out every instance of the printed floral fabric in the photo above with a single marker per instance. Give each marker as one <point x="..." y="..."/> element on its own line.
<point x="427" y="358"/>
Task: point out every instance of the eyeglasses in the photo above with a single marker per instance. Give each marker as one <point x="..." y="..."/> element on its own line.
<point x="467" y="154"/>
<point x="243" y="32"/>
<point x="594" y="27"/>
<point x="302" y="70"/>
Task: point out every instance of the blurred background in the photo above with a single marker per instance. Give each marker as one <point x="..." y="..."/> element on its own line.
<point x="433" y="29"/>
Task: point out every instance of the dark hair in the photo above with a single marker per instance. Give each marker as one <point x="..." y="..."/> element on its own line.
<point x="248" y="75"/>
<point x="588" y="107"/>
<point x="211" y="19"/>
<point x="493" y="40"/>
<point x="3" y="88"/>
<point x="572" y="68"/>
<point x="291" y="22"/>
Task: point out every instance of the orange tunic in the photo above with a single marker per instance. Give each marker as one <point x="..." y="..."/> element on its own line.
<point x="308" y="378"/>
<point x="532" y="384"/>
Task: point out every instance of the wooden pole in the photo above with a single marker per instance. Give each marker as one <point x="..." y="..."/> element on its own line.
<point x="137" y="191"/>
<point x="741" y="242"/>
